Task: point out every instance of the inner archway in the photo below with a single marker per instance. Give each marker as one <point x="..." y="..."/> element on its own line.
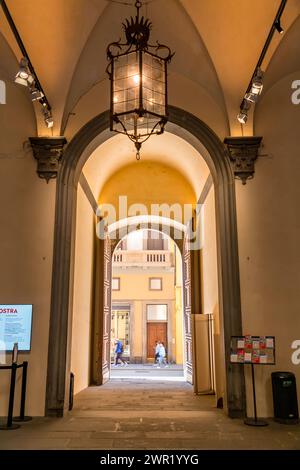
<point x="147" y="308"/>
<point x="206" y="142"/>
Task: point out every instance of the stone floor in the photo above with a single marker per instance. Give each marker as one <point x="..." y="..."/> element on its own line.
<point x="170" y="372"/>
<point x="142" y="414"/>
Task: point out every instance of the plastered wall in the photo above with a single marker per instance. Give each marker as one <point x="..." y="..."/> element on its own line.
<point x="26" y="241"/>
<point x="269" y="234"/>
<point x="83" y="292"/>
<point x="210" y="295"/>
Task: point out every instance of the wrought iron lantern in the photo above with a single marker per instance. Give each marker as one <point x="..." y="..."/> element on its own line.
<point x="138" y="75"/>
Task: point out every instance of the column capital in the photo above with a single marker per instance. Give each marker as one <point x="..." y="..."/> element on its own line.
<point x="48" y="152"/>
<point x="243" y="152"/>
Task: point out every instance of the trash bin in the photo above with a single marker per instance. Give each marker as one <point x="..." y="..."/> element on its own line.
<point x="285" y="397"/>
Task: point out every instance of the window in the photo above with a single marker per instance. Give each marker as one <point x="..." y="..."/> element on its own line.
<point x="115" y="285"/>
<point x="156" y="241"/>
<point x="155" y="283"/>
<point x="157" y="312"/>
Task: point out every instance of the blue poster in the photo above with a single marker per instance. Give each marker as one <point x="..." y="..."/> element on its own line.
<point x="15" y="327"/>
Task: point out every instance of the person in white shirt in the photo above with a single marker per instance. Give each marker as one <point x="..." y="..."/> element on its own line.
<point x="162" y="355"/>
<point x="156" y="351"/>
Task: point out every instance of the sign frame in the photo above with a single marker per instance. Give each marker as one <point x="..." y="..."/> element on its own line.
<point x="253" y="338"/>
<point x="20" y="351"/>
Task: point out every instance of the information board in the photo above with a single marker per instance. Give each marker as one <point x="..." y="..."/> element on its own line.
<point x="15" y="327"/>
<point x="252" y="350"/>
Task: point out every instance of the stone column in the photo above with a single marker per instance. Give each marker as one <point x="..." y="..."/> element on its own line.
<point x="48" y="152"/>
<point x="243" y="152"/>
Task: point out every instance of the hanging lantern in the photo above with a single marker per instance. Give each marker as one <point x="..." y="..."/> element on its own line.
<point x="138" y="75"/>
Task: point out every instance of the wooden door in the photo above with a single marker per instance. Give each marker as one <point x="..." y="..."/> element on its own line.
<point x="187" y="310"/>
<point x="107" y="265"/>
<point x="156" y="331"/>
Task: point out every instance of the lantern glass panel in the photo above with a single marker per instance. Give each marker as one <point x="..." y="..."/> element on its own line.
<point x="154" y="87"/>
<point x="125" y="83"/>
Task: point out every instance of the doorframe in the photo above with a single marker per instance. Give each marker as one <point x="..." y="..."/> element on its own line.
<point x="89" y="137"/>
<point x="145" y="322"/>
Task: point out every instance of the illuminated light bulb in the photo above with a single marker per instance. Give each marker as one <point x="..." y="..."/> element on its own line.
<point x="115" y="99"/>
<point x="136" y="79"/>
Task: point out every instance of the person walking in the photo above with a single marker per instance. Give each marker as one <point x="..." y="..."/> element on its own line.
<point x="162" y="355"/>
<point x="156" y="351"/>
<point x="118" y="353"/>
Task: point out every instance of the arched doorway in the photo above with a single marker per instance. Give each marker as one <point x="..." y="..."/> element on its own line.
<point x="103" y="297"/>
<point x="211" y="148"/>
<point x="147" y="307"/>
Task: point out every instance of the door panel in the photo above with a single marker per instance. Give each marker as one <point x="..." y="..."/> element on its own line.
<point x="187" y="312"/>
<point x="155" y="332"/>
<point x="106" y="309"/>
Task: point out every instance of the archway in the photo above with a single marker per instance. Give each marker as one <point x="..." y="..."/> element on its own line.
<point x="147" y="307"/>
<point x="211" y="148"/>
<point x="102" y="297"/>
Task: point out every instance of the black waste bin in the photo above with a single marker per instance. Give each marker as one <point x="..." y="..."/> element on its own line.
<point x="285" y="397"/>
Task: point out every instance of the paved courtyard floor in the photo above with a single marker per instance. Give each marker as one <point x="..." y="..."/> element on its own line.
<point x="147" y="414"/>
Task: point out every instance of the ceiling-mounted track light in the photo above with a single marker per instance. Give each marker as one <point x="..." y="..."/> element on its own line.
<point x="255" y="86"/>
<point x="24" y="76"/>
<point x="48" y="118"/>
<point x="242" y="117"/>
<point x="278" y="27"/>
<point x="36" y="94"/>
<point x="257" y="82"/>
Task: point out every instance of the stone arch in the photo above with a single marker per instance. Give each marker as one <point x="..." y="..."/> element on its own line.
<point x="95" y="132"/>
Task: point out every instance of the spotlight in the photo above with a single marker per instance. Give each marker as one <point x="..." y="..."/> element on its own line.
<point x="24" y="77"/>
<point x="257" y="83"/>
<point x="242" y="117"/>
<point x="278" y="27"/>
<point x="251" y="97"/>
<point x="48" y="118"/>
<point x="36" y="94"/>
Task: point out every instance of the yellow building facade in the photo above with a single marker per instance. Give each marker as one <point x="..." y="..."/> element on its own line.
<point x="147" y="302"/>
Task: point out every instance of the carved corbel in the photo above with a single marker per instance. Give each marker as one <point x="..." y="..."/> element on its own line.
<point x="48" y="152"/>
<point x="243" y="152"/>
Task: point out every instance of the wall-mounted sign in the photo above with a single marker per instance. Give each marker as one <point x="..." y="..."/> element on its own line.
<point x="15" y="327"/>
<point x="253" y="350"/>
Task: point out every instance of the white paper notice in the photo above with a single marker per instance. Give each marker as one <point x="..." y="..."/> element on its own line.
<point x="269" y="343"/>
<point x="247" y="357"/>
<point x="15" y="326"/>
<point x="255" y="344"/>
<point x="233" y="358"/>
<point x="241" y="344"/>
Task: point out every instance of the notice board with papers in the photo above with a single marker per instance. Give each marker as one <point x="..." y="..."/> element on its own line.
<point x="252" y="350"/>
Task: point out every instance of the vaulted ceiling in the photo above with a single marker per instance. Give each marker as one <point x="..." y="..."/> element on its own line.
<point x="217" y="43"/>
